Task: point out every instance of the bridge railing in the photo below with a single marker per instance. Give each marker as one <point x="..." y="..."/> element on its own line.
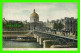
<point x="44" y="34"/>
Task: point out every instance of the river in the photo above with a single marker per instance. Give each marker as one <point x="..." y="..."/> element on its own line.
<point x="14" y="44"/>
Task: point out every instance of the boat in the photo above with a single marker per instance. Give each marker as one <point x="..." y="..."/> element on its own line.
<point x="29" y="39"/>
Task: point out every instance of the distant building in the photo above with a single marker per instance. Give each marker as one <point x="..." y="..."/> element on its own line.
<point x="4" y="21"/>
<point x="34" y="17"/>
<point x="34" y="22"/>
<point x="49" y="24"/>
<point x="70" y="24"/>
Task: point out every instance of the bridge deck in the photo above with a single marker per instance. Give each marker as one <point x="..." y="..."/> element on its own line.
<point x="58" y="35"/>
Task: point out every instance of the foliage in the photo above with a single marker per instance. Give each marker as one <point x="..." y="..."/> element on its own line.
<point x="58" y="26"/>
<point x="13" y="25"/>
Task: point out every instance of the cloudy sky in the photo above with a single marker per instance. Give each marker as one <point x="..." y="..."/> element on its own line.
<point x="50" y="11"/>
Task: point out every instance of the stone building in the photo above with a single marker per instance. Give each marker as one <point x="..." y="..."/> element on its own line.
<point x="71" y="24"/>
<point x="34" y="17"/>
<point x="34" y="23"/>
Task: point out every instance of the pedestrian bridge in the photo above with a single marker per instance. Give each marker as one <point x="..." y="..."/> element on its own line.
<point x="51" y="40"/>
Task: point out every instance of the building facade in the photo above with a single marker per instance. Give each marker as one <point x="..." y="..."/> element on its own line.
<point x="34" y="17"/>
<point x="34" y="23"/>
<point x="70" y="24"/>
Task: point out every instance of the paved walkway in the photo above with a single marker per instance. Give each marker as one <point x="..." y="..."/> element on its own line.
<point x="68" y="35"/>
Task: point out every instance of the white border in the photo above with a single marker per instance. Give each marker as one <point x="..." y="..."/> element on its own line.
<point x="38" y="49"/>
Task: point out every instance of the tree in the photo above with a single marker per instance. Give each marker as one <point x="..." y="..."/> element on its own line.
<point x="58" y="26"/>
<point x="13" y="25"/>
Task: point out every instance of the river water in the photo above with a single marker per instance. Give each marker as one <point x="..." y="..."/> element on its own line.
<point x="14" y="44"/>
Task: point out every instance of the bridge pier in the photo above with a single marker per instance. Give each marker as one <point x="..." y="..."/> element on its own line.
<point x="41" y="39"/>
<point x="35" y="36"/>
<point x="48" y="43"/>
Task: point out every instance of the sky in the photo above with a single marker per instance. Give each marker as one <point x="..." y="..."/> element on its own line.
<point x="50" y="11"/>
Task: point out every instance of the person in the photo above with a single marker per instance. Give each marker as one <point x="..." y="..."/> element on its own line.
<point x="69" y="32"/>
<point x="63" y="32"/>
<point x="76" y="34"/>
<point x="66" y="31"/>
<point x="55" y="31"/>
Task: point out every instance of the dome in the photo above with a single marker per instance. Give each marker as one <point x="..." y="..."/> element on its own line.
<point x="34" y="15"/>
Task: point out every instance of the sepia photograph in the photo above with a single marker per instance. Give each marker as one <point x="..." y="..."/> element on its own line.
<point x="39" y="26"/>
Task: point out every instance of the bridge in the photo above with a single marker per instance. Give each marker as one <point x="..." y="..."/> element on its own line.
<point x="47" y="40"/>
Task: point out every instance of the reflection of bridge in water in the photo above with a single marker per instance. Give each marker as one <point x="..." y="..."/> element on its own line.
<point x="47" y="40"/>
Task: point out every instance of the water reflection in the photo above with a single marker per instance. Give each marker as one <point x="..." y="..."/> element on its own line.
<point x="14" y="44"/>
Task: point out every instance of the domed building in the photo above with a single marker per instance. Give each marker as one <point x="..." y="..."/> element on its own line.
<point x="34" y="17"/>
<point x="34" y="21"/>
